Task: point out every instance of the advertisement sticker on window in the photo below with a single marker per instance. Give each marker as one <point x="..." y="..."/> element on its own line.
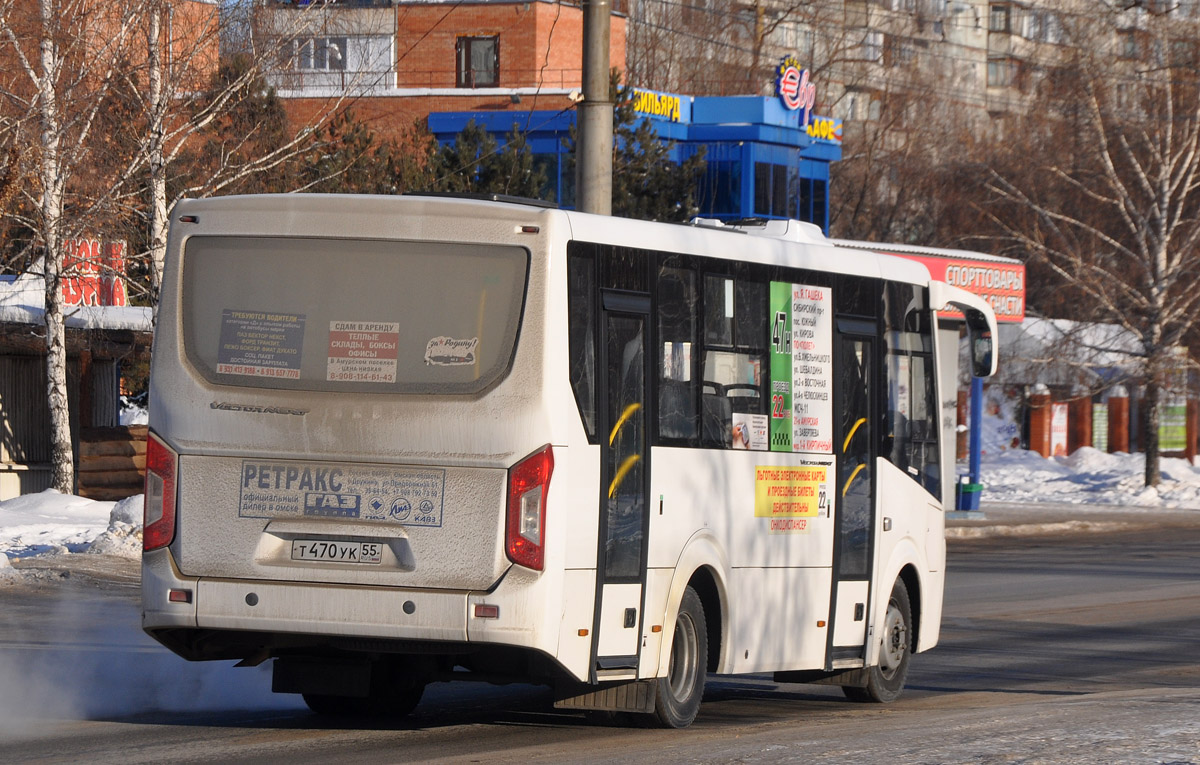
<point x="260" y="344"/>
<point x="362" y="351"/>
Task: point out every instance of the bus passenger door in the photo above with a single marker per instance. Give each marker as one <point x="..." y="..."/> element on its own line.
<point x="855" y="499"/>
<point x="624" y="472"/>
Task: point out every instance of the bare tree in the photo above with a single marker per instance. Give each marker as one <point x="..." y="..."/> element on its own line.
<point x="68" y="65"/>
<point x="68" y="53"/>
<point x="1106" y="196"/>
<point x="187" y="94"/>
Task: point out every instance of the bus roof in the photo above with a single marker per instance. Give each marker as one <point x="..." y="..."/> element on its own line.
<point x="778" y="242"/>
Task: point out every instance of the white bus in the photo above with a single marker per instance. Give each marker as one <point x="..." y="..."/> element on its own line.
<point x="400" y="440"/>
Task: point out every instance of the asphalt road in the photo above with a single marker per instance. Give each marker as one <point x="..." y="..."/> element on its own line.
<point x="1073" y="648"/>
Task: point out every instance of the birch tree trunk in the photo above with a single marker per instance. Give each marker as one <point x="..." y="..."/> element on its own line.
<point x="156" y="105"/>
<point x="51" y="213"/>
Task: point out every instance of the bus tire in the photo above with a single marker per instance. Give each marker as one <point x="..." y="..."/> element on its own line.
<point x="679" y="693"/>
<point x="885" y="680"/>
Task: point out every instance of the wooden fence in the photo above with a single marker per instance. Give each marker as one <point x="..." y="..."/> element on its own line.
<point x="112" y="462"/>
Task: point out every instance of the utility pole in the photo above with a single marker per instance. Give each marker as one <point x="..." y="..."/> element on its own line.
<point x="593" y="174"/>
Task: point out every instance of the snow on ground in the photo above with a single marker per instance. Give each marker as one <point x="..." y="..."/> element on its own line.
<point x="1088" y="477"/>
<point x="134" y="415"/>
<point x="50" y="522"/>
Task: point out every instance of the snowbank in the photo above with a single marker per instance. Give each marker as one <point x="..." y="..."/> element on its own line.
<point x="50" y="522"/>
<point x="1088" y="477"/>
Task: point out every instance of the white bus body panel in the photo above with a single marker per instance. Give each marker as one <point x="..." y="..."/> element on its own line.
<point x="695" y="489"/>
<point x="774" y="585"/>
<point x="774" y="613"/>
<point x="915" y="538"/>
<point x="223" y="557"/>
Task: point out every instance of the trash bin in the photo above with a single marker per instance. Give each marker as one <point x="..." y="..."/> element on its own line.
<point x="966" y="495"/>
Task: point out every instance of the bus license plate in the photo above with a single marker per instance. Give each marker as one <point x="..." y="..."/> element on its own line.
<point x="336" y="552"/>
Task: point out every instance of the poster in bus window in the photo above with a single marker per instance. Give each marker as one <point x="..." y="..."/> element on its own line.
<point x="362" y="351"/>
<point x="801" y="368"/>
<point x="260" y="344"/>
<point x="750" y="431"/>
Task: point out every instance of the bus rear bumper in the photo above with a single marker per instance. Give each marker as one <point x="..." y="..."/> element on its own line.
<point x="247" y="618"/>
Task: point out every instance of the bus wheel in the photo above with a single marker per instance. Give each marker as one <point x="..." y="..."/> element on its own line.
<point x="885" y="681"/>
<point x="392" y="704"/>
<point x="680" y="692"/>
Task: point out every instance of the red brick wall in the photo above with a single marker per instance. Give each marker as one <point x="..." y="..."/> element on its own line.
<point x="541" y="45"/>
<point x="426" y="37"/>
<point x="392" y="117"/>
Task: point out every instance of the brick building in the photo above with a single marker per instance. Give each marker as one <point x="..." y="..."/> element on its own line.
<point x="395" y="63"/>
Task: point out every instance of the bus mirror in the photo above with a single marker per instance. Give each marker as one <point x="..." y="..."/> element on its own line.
<point x="981" y="344"/>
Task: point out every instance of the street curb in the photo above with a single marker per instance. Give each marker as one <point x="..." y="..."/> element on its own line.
<point x="1031" y="519"/>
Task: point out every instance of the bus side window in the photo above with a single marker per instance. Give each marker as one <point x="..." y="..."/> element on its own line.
<point x="581" y="331"/>
<point x="734" y="356"/>
<point x="911" y="432"/>
<point x="676" y="309"/>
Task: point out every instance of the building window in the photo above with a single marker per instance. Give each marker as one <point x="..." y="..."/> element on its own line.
<point x="776" y="190"/>
<point x="871" y="48"/>
<point x="1000" y="18"/>
<point x="478" y="62"/>
<point x="1000" y="73"/>
<point x="334" y="61"/>
<point x="322" y="54"/>
<point x="898" y="51"/>
<point x="1129" y="43"/>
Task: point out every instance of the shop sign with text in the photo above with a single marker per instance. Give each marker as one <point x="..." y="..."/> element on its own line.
<point x="1001" y="284"/>
<point x="795" y="89"/>
<point x="664" y="105"/>
<point x="93" y="273"/>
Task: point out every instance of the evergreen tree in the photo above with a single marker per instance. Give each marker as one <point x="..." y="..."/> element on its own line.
<point x="460" y="166"/>
<point x="646" y="184"/>
<point x="349" y="158"/>
<point x="475" y="163"/>
<point x="254" y="125"/>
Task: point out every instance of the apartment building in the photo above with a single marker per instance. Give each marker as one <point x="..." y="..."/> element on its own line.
<point x="396" y="61"/>
<point x="974" y="61"/>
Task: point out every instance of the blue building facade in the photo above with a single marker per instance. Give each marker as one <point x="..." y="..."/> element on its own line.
<point x="764" y="158"/>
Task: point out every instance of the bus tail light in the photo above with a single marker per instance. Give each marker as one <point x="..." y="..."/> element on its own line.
<point x="525" y="527"/>
<point x="159" y="526"/>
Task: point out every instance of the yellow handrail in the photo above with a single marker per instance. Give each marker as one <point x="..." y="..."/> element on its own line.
<point x="853" y="430"/>
<point x="853" y="475"/>
<point x="622" y="471"/>
<point x="629" y="410"/>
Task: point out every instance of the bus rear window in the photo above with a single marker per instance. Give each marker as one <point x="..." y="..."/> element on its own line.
<point x="351" y="315"/>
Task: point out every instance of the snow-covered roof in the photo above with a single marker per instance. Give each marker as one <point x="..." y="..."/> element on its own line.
<point x="23" y="301"/>
<point x="1064" y="352"/>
